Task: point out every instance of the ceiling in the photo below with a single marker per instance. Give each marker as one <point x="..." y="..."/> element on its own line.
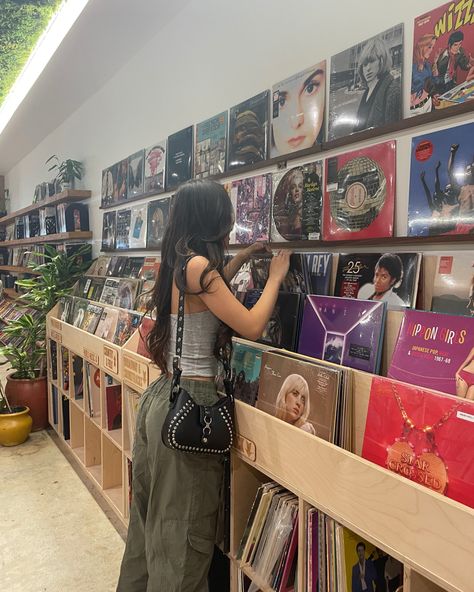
<point x="105" y="36"/>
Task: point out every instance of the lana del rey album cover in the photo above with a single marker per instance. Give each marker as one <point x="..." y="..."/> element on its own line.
<point x="360" y="193"/>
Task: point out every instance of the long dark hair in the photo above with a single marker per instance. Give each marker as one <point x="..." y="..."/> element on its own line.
<point x="200" y="221"/>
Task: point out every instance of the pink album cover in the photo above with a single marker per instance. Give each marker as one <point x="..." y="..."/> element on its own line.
<point x="360" y="193"/>
<point x="424" y="436"/>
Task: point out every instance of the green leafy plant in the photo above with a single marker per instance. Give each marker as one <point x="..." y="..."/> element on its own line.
<point x="56" y="276"/>
<point x="67" y="170"/>
<point x="21" y="24"/>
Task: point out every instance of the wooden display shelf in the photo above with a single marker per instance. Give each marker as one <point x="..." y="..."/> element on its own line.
<point x="432" y="534"/>
<point x="249" y="572"/>
<point x="346" y="141"/>
<point x="138" y="372"/>
<point x="18" y="269"/>
<point x="11" y="293"/>
<point x="417" y="242"/>
<point x="49" y="238"/>
<point x="69" y="195"/>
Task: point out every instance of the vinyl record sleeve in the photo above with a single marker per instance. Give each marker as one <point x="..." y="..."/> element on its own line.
<point x="179" y="158"/>
<point x="360" y="193"/>
<point x="319" y="272"/>
<point x="135" y="171"/>
<point x="442" y="460"/>
<point x="367" y="276"/>
<point x="376" y="66"/>
<point x="124" y="220"/>
<point x="435" y="351"/>
<point x="138" y="226"/>
<point x="251" y="198"/>
<point x="155" y="160"/>
<point x="297" y="203"/>
<point x="297" y="116"/>
<point x="343" y="331"/>
<point x="211" y="146"/>
<point x="441" y="198"/>
<point x="157" y="219"/>
<point x="300" y="393"/>
<point x="248" y="131"/>
<point x="453" y="291"/>
<point x="443" y="43"/>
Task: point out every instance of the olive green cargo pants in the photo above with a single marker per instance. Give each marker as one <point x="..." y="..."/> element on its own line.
<point x="175" y="502"/>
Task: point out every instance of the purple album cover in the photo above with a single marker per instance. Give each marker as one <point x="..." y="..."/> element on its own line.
<point x="343" y="331"/>
<point x="435" y="351"/>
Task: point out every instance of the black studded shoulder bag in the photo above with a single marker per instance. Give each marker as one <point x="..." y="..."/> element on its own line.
<point x="193" y="428"/>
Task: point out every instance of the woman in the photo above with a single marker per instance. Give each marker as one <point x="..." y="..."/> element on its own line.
<point x="292" y="404"/>
<point x="381" y="101"/>
<point x="465" y="378"/>
<point x="174" y="512"/>
<point x="388" y="275"/>
<point x="298" y="111"/>
<point x="423" y="78"/>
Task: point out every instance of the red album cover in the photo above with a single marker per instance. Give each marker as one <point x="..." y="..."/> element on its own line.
<point x="113" y="396"/>
<point x="424" y="436"/>
<point x="360" y="193"/>
<point x="145" y="327"/>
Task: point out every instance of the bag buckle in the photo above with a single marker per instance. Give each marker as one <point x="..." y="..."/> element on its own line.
<point x="206" y="430"/>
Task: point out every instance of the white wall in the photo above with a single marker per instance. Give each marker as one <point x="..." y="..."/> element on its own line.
<point x="213" y="55"/>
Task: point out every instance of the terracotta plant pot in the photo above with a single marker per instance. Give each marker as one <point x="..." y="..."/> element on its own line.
<point x="15" y="427"/>
<point x="32" y="393"/>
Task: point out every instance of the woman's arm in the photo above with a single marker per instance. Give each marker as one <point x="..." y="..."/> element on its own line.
<point x="221" y="302"/>
<point x="242" y="257"/>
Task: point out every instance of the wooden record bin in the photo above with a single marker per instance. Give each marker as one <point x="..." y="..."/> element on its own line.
<point x="430" y="534"/>
<point x="103" y="453"/>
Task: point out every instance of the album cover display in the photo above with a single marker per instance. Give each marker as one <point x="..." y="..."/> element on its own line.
<point x="439" y="458"/>
<point x="442" y="67"/>
<point x="91" y="317"/>
<point x="453" y="291"/>
<point x="75" y="217"/>
<point x="155" y="159"/>
<point x="365" y="89"/>
<point x="441" y="198"/>
<point x="133" y="266"/>
<point x="124" y="220"/>
<point x="300" y="393"/>
<point x="387" y="277"/>
<point x="79" y="311"/>
<point x="179" y="158"/>
<point x="211" y="146"/>
<point x="135" y="174"/>
<point x="435" y="351"/>
<point x="343" y="331"/>
<point x="107" y="192"/>
<point x="359" y="562"/>
<point x="127" y="323"/>
<point x="120" y="172"/>
<point x="246" y="363"/>
<point x="319" y="267"/>
<point x="242" y="281"/>
<point x="150" y="268"/>
<point x="158" y="217"/>
<point x="296" y="280"/>
<point x="297" y="118"/>
<point x="297" y="203"/>
<point x="282" y="328"/>
<point x="251" y="198"/>
<point x="107" y="324"/>
<point x="248" y="131"/>
<point x="360" y="193"/>
<point x="109" y="230"/>
<point x="138" y="224"/>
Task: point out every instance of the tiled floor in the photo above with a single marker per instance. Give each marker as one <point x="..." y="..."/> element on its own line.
<point x="53" y="535"/>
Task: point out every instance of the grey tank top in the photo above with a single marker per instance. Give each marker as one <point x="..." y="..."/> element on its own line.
<point x="200" y="332"/>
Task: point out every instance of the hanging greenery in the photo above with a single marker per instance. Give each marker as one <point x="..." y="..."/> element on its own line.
<point x="21" y="24"/>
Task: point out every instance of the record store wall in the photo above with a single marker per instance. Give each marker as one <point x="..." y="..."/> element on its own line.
<point x="213" y="55"/>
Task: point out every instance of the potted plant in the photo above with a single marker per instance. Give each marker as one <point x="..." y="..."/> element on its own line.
<point x="15" y="422"/>
<point x="67" y="171"/>
<point x="25" y="351"/>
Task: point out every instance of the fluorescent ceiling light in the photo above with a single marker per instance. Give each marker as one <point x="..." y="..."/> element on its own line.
<point x="44" y="50"/>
